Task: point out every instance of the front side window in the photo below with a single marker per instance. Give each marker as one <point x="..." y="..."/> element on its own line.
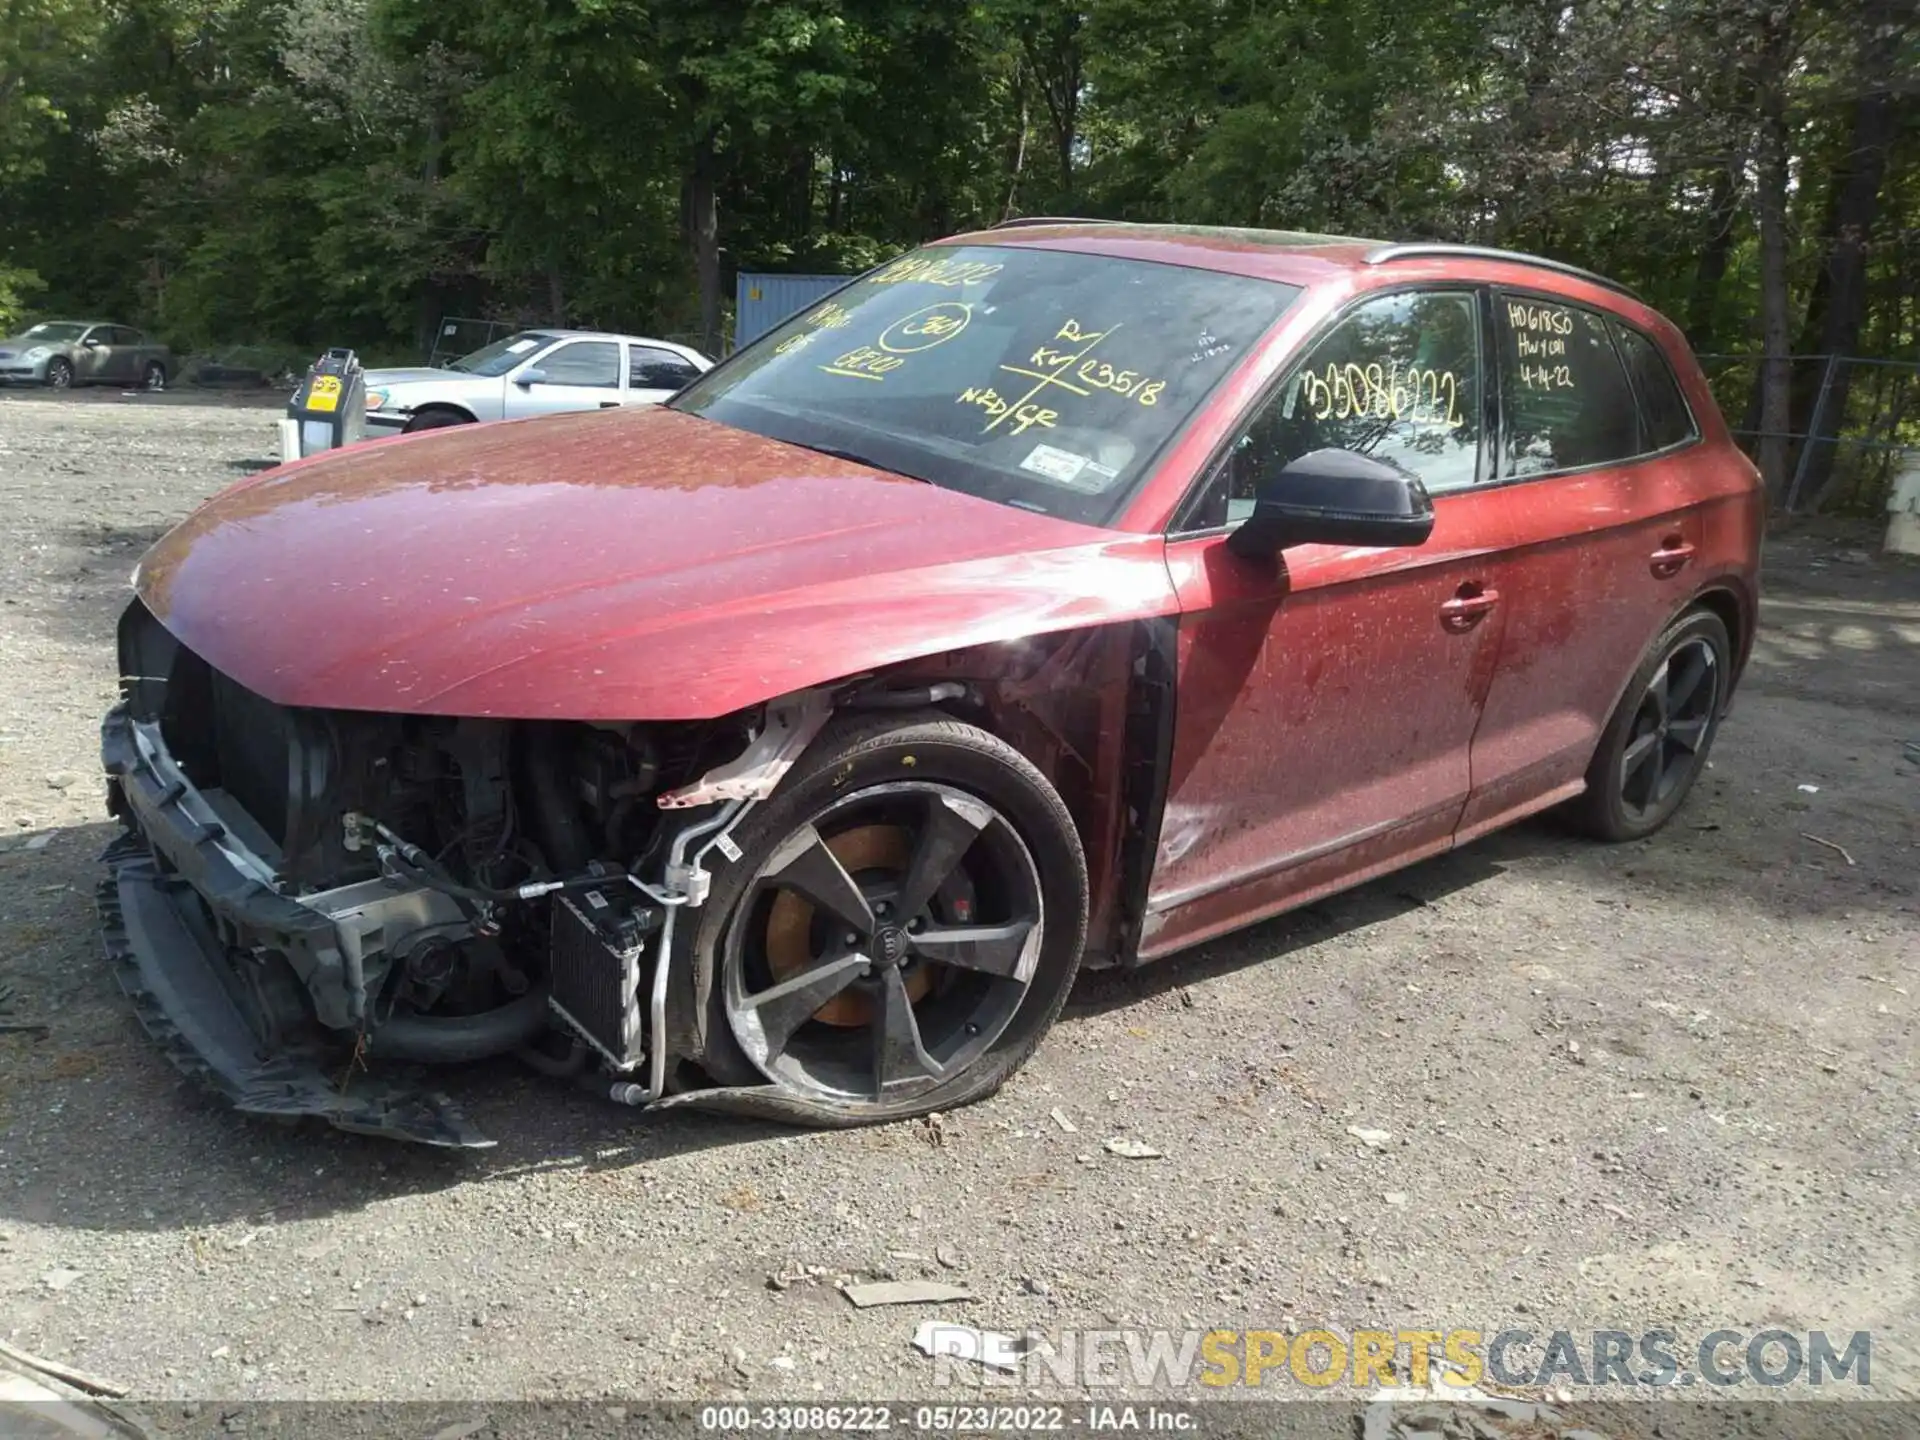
<point x="593" y="363"/>
<point x="1044" y="379"/>
<point x="1565" y="404"/>
<point x="1398" y="380"/>
<point x="1664" y="417"/>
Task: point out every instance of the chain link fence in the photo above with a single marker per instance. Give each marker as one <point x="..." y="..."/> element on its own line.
<point x="1852" y="419"/>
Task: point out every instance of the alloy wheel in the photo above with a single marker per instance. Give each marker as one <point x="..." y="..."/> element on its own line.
<point x="1667" y="738"/>
<point x="884" y="945"/>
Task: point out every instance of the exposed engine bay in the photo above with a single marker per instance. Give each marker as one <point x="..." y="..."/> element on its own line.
<point x="408" y="888"/>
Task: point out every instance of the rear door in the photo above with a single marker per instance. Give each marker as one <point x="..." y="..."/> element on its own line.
<point x="1605" y="528"/>
<point x="574" y="375"/>
<point x="655" y="374"/>
<point x="1328" y="698"/>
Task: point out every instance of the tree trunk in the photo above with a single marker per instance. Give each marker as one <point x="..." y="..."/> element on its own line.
<point x="1852" y="210"/>
<point x="1770" y="199"/>
<point x="1019" y="161"/>
<point x="1723" y="207"/>
<point x="703" y="234"/>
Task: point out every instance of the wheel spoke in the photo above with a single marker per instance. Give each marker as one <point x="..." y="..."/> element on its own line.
<point x="992" y="949"/>
<point x="807" y="867"/>
<point x="1657" y="690"/>
<point x="1688" y="734"/>
<point x="900" y="1060"/>
<point x="1688" y="685"/>
<point x="782" y="1009"/>
<point x="951" y="826"/>
<point x="1638" y="754"/>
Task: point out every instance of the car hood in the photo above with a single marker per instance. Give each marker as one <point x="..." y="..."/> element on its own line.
<point x="424" y="375"/>
<point x="621" y="564"/>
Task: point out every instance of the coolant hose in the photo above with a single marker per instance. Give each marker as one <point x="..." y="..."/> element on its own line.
<point x="558" y="826"/>
<point x="456" y="1039"/>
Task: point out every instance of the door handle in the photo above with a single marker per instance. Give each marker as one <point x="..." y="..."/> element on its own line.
<point x="1468" y="607"/>
<point x="1673" y="556"/>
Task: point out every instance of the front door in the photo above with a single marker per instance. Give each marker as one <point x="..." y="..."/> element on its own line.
<point x="1604" y="534"/>
<point x="574" y="375"/>
<point x="93" y="356"/>
<point x="1328" y="699"/>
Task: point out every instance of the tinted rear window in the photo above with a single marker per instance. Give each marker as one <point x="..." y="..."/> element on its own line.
<point x="1664" y="417"/>
<point x="1565" y="401"/>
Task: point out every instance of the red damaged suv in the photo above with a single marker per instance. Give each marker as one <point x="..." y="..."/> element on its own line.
<point x="1066" y="593"/>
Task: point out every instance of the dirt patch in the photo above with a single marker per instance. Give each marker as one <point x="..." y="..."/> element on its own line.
<point x="1661" y="1085"/>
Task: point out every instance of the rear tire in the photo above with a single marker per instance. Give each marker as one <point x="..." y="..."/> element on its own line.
<point x="59" y="374"/>
<point x="901" y="927"/>
<point x="1657" y="742"/>
<point x="155" y="377"/>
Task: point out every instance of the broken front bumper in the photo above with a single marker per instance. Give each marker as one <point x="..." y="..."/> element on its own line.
<point x="184" y="906"/>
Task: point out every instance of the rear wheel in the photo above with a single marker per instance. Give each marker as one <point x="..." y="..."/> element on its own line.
<point x="154" y="377"/>
<point x="901" y="928"/>
<point x="59" y="374"/>
<point x="1656" y="744"/>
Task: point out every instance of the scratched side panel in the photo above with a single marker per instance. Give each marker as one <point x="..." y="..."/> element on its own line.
<point x="1326" y="711"/>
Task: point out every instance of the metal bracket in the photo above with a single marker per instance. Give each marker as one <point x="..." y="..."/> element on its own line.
<point x="791" y="723"/>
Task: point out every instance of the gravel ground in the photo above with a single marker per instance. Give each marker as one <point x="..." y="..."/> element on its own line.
<point x="1662" y="1085"/>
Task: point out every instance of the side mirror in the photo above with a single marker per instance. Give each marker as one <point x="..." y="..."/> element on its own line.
<point x="529" y="377"/>
<point x="90" y="343"/>
<point x="1334" y="497"/>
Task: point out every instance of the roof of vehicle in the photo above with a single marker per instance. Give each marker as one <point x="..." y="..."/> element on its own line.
<point x="1298" y="257"/>
<point x="600" y="335"/>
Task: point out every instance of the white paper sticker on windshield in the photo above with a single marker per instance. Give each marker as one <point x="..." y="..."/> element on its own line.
<point x="1061" y="466"/>
<point x="520" y="347"/>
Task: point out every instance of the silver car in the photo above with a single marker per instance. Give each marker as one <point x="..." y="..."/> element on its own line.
<point x="64" y="353"/>
<point x="537" y="372"/>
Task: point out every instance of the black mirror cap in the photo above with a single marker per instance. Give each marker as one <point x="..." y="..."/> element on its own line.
<point x="1335" y="497"/>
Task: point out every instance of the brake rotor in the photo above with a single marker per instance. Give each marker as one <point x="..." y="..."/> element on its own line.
<point x="789" y="937"/>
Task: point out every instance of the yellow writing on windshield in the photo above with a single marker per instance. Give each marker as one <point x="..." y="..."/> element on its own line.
<point x="1024" y="414"/>
<point x="865" y="363"/>
<point x="924" y="329"/>
<point x="925" y="270"/>
<point x="830" y="316"/>
<point x="1413" y="396"/>
<point x="1546" y="377"/>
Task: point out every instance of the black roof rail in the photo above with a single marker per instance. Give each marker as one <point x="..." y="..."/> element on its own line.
<point x="1425" y="250"/>
<point x="1049" y="220"/>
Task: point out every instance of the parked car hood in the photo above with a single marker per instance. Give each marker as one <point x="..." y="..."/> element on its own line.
<point x="631" y="564"/>
<point x="424" y="375"/>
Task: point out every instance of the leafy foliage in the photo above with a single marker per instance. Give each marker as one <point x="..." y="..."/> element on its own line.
<point x="350" y="170"/>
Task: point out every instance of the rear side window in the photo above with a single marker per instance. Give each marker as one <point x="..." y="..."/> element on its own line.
<point x="651" y="369"/>
<point x="1664" y="417"/>
<point x="1565" y="402"/>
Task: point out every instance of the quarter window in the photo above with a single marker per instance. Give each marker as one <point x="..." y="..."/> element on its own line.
<point x="1397" y="380"/>
<point x="1664" y="417"/>
<point x="1564" y="399"/>
<point x="594" y="363"/>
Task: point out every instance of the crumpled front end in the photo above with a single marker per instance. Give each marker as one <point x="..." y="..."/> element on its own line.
<point x="307" y="899"/>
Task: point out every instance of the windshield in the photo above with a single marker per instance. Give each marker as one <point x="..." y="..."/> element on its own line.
<point x="501" y="356"/>
<point x="1039" y="378"/>
<point x="55" y="331"/>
